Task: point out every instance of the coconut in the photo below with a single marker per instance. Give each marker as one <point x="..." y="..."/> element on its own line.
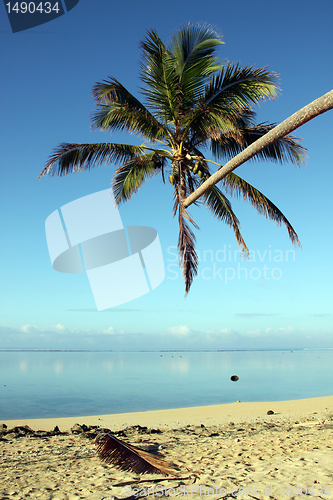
<point x="196" y="168"/>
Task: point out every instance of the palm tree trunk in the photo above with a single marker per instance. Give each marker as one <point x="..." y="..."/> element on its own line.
<point x="315" y="108"/>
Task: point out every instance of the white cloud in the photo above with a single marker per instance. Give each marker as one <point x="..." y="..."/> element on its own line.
<point x="176" y="337"/>
<point x="109" y="331"/>
<point x="27" y="328"/>
<point x="253" y="315"/>
<point x="225" y="331"/>
<point x="255" y="333"/>
<point x="179" y="330"/>
<point x="60" y="327"/>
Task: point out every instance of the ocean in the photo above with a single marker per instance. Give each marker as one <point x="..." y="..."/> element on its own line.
<point x="42" y="384"/>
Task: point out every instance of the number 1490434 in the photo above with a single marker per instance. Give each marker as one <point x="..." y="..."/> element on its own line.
<point x="32" y="7"/>
<point x="315" y="490"/>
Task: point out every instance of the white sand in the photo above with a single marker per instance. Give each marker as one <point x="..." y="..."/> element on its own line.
<point x="231" y="448"/>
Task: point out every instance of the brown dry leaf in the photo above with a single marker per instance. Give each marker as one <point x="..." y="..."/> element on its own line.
<point x="127" y="457"/>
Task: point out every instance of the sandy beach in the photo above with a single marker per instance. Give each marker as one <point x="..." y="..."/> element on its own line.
<point x="223" y="451"/>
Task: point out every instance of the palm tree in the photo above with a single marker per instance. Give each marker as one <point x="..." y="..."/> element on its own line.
<point x="193" y="103"/>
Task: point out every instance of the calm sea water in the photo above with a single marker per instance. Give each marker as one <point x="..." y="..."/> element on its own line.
<point x="59" y="384"/>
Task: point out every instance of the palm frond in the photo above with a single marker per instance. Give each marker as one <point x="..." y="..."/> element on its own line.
<point x="160" y="78"/>
<point x="227" y="99"/>
<point x="227" y="145"/>
<point x="131" y="175"/>
<point x="127" y="457"/>
<point x="220" y="206"/>
<point x="239" y="187"/>
<point x="237" y="87"/>
<point x="188" y="258"/>
<point x="68" y="158"/>
<point x="193" y="47"/>
<point x="206" y="122"/>
<point x="118" y="109"/>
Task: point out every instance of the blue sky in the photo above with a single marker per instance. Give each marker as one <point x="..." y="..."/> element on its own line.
<point x="281" y="297"/>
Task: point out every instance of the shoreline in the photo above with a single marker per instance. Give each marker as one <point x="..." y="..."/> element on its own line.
<point x="180" y="417"/>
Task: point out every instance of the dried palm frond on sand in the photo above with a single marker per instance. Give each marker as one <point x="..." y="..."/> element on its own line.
<point x="127" y="457"/>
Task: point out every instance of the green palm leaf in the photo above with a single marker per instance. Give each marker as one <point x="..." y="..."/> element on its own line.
<point x="160" y="78"/>
<point x="239" y="187"/>
<point x="193" y="48"/>
<point x="287" y="148"/>
<point x="227" y="99"/>
<point x="221" y="208"/>
<point x="129" y="177"/>
<point x="188" y="258"/>
<point x="236" y="87"/>
<point x="118" y="109"/>
<point x="68" y="158"/>
<point x="206" y="122"/>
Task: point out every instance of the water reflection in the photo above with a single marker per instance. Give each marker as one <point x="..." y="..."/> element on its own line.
<point x="108" y="366"/>
<point x="180" y="366"/>
<point x="115" y="382"/>
<point x="58" y="367"/>
<point x="23" y="366"/>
